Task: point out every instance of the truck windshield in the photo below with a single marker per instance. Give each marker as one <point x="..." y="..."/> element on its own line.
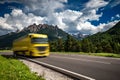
<point x="39" y="40"/>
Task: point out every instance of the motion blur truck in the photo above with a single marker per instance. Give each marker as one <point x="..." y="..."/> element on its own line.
<point x="34" y="45"/>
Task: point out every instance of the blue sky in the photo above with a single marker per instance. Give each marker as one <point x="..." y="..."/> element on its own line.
<point x="85" y="16"/>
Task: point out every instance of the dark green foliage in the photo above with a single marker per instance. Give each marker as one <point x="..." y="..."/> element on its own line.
<point x="53" y="46"/>
<point x="99" y="48"/>
<point x="68" y="45"/>
<point x="106" y="46"/>
<point x="72" y="45"/>
<point x="85" y="45"/>
<point x="57" y="45"/>
<point x="60" y="45"/>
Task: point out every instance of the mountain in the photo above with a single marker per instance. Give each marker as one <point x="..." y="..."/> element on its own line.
<point x="79" y="35"/>
<point x="53" y="33"/>
<point x="108" y="41"/>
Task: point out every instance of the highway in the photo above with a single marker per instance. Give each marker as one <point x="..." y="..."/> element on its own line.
<point x="99" y="68"/>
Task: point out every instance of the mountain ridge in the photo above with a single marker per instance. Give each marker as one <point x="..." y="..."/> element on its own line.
<point x="53" y="33"/>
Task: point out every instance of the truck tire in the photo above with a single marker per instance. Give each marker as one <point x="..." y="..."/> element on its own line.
<point x="14" y="54"/>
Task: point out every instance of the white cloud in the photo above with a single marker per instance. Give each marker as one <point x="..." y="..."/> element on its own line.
<point x="43" y="7"/>
<point x="112" y="18"/>
<point x="93" y="4"/>
<point x="91" y="8"/>
<point x="79" y="20"/>
<point x="67" y="19"/>
<point x="89" y="13"/>
<point x="117" y="15"/>
<point x="114" y="3"/>
<point x="86" y="27"/>
<point x="106" y="26"/>
<point x="18" y="20"/>
<point x="44" y="11"/>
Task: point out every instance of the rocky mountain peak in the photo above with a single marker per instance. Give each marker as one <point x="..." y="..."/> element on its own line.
<point x="35" y="28"/>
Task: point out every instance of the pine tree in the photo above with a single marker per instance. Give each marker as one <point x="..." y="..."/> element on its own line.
<point x="85" y="45"/>
<point x="72" y="45"/>
<point x="116" y="48"/>
<point x="53" y="46"/>
<point x="60" y="45"/>
<point x="99" y="48"/>
<point x="68" y="43"/>
<point x="76" y="46"/>
<point x="106" y="46"/>
<point x="92" y="47"/>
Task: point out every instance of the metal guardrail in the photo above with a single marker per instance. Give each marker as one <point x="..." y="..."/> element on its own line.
<point x="71" y="74"/>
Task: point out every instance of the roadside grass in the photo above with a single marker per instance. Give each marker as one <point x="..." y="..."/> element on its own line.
<point x="13" y="69"/>
<point x="91" y="54"/>
<point x="5" y="50"/>
<point x="81" y="53"/>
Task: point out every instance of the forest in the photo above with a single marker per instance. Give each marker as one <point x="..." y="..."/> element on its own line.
<point x="86" y="45"/>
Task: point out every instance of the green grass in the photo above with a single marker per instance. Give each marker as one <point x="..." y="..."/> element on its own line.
<point x="91" y="54"/>
<point x="12" y="69"/>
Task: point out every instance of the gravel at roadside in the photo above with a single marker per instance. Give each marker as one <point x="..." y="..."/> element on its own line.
<point x="46" y="73"/>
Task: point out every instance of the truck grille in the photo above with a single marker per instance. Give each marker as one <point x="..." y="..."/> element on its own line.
<point x="42" y="48"/>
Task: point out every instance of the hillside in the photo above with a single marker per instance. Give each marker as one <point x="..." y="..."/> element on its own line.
<point x="114" y="30"/>
<point x="108" y="41"/>
<point x="53" y="33"/>
<point x="111" y="34"/>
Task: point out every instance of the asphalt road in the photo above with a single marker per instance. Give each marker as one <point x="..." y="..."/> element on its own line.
<point x="99" y="68"/>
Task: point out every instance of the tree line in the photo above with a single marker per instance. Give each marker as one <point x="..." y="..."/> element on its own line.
<point x="86" y="45"/>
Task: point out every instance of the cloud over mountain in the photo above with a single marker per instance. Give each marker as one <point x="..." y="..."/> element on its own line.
<point x="55" y="12"/>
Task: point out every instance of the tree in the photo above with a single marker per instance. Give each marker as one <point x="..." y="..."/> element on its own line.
<point x="99" y="48"/>
<point x="85" y="45"/>
<point x="68" y="43"/>
<point x="53" y="46"/>
<point x="106" y="46"/>
<point x="92" y="47"/>
<point x="72" y="45"/>
<point x="76" y="46"/>
<point x="116" y="48"/>
<point x="60" y="45"/>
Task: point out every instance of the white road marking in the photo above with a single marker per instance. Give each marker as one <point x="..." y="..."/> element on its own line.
<point x="82" y="59"/>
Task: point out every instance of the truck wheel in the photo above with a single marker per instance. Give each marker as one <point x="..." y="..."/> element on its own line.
<point x="14" y="54"/>
<point x="31" y="54"/>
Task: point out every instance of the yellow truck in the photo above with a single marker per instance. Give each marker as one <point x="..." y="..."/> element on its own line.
<point x="34" y="45"/>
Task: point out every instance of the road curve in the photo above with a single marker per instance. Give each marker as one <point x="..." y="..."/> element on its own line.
<point x="99" y="68"/>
